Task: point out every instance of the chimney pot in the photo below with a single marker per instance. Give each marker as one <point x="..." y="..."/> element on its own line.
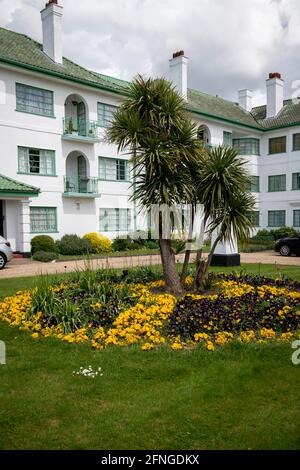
<point x="275" y="75"/>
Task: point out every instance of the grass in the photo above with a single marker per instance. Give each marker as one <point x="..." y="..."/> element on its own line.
<point x="239" y="397"/>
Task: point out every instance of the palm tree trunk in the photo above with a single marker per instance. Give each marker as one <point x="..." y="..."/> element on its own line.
<point x="171" y="275"/>
<point x="185" y="264"/>
<point x="201" y="276"/>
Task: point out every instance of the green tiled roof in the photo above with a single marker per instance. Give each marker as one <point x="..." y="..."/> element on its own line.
<point x="21" y="51"/>
<point x="8" y="185"/>
<point x="220" y="108"/>
<point x="289" y="115"/>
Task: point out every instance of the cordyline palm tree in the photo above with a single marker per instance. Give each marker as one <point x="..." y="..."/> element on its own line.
<point x="222" y="183"/>
<point x="152" y="125"/>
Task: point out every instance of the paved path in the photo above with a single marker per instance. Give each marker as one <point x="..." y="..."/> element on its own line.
<point x="25" y="267"/>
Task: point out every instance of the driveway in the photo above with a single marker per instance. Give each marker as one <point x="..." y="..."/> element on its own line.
<point x="27" y="267"/>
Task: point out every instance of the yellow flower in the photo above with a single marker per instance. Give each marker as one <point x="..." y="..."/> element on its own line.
<point x="34" y="335"/>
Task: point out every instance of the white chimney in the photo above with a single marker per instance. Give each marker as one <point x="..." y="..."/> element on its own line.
<point x="245" y="99"/>
<point x="52" y="30"/>
<point x="178" y="72"/>
<point x="274" y="94"/>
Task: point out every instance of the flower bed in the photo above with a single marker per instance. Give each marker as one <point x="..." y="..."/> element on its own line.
<point x="105" y="313"/>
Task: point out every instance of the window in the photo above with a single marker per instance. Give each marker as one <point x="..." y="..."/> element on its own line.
<point x="105" y="114"/>
<point x="296" y="181"/>
<point x="254" y="187"/>
<point x="296" y="141"/>
<point x="113" y="169"/>
<point x="247" y="146"/>
<point x="34" y="100"/>
<point x="36" y="161"/>
<point x="296" y="218"/>
<point x="277" y="145"/>
<point x="276" y="218"/>
<point x="227" y="139"/>
<point x="43" y="219"/>
<point x="277" y="183"/>
<point x="115" y="220"/>
<point x="254" y="217"/>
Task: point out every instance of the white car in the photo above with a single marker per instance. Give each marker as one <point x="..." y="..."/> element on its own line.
<point x="6" y="252"/>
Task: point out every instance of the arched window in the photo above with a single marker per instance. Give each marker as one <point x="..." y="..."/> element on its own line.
<point x="204" y="134"/>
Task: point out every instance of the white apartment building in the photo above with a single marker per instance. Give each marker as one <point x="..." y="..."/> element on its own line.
<point x="58" y="175"/>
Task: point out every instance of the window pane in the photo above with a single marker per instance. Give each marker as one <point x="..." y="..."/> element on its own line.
<point x="254" y="184"/>
<point x="105" y="114"/>
<point x="296" y="181"/>
<point x="296" y="218"/>
<point x="277" y="183"/>
<point x="276" y="218"/>
<point x="254" y="217"/>
<point x="296" y="142"/>
<point x="115" y="220"/>
<point x="43" y="219"/>
<point x="36" y="161"/>
<point x="34" y="100"/>
<point x="247" y="146"/>
<point x="277" y="145"/>
<point x="113" y="169"/>
<point x="227" y="139"/>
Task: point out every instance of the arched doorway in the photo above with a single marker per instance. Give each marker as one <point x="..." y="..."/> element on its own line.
<point x="204" y="134"/>
<point x="76" y="116"/>
<point x="77" y="178"/>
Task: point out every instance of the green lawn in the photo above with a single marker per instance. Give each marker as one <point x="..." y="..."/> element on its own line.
<point x="240" y="397"/>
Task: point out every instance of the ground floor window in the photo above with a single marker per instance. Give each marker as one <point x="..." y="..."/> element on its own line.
<point x="43" y="219"/>
<point x="115" y="220"/>
<point x="254" y="217"/>
<point x="276" y="218"/>
<point x="296" y="218"/>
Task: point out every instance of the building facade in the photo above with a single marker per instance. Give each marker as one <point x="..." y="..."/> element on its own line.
<point x="58" y="175"/>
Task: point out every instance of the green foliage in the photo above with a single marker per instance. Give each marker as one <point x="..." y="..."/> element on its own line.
<point x="44" y="256"/>
<point x="42" y="243"/>
<point x="73" y="245"/>
<point x="283" y="232"/>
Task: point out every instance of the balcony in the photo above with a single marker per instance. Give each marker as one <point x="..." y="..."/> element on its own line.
<point x="80" y="130"/>
<point x="84" y="187"/>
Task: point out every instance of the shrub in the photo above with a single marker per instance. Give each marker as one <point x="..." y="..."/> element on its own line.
<point x="98" y="242"/>
<point x="151" y="244"/>
<point x="44" y="256"/>
<point x="263" y="237"/>
<point x="73" y="245"/>
<point x="42" y="243"/>
<point x="283" y="232"/>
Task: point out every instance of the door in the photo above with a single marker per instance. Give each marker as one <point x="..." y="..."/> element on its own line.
<point x="2" y="218"/>
<point x="82" y="175"/>
<point x="81" y="116"/>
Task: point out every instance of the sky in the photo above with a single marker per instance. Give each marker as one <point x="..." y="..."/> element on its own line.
<point x="231" y="44"/>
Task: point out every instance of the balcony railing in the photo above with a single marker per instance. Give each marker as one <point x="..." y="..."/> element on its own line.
<point x="80" y="129"/>
<point x="79" y="186"/>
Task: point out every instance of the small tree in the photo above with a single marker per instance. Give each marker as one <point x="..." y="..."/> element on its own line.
<point x="223" y="183"/>
<point x="152" y="125"/>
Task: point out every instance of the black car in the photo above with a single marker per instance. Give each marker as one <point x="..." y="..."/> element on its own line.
<point x="288" y="246"/>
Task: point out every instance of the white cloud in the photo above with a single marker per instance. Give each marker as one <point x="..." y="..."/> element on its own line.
<point x="231" y="44"/>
